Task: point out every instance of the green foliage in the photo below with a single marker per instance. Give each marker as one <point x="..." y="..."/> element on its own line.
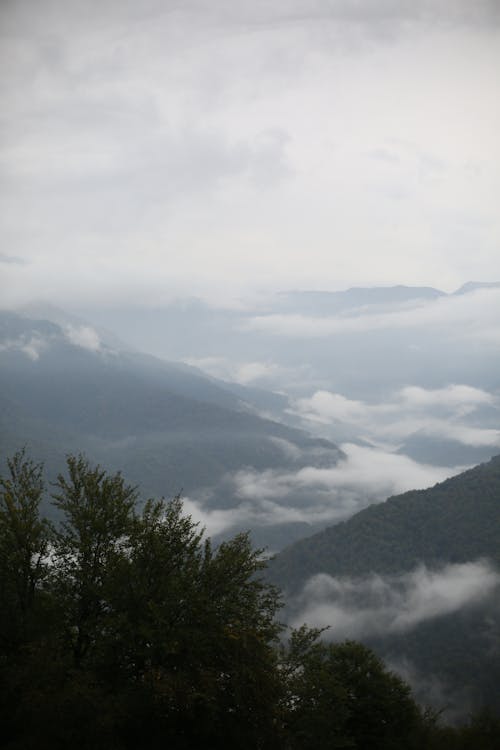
<point x="340" y="696"/>
<point x="132" y="631"/>
<point x="153" y="637"/>
<point x="24" y="540"/>
<point x="97" y="518"/>
<point x="456" y="521"/>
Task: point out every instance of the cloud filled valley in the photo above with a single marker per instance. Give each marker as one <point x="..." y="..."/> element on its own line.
<point x="377" y="605"/>
<point x="250" y="265"/>
<point x="311" y="496"/>
<point x="369" y="393"/>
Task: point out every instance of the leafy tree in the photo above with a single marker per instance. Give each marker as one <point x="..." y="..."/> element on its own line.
<point x="98" y="513"/>
<point x="194" y="634"/>
<point x="159" y="638"/>
<point x="24" y="540"/>
<point x="482" y="732"/>
<point x="25" y="606"/>
<point x="128" y="629"/>
<point x="341" y="696"/>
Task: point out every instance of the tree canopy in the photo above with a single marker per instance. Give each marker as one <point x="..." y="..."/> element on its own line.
<point x="124" y="628"/>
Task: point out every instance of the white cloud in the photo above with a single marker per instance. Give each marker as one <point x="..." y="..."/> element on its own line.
<point x="250" y="372"/>
<point x="264" y="374"/>
<point x="439" y="412"/>
<point x="357" y="607"/>
<point x="84" y="337"/>
<point x="290" y="450"/>
<point x="324" y="406"/>
<point x="460" y="433"/>
<point x="462" y="396"/>
<point x="472" y="315"/>
<point x="313" y="495"/>
<point x="146" y="148"/>
<point x="32" y="345"/>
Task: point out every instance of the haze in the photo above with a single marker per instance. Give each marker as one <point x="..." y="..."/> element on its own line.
<point x="159" y="149"/>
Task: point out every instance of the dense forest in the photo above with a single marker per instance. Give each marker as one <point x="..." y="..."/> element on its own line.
<point x="454" y="522"/>
<point x="122" y="627"/>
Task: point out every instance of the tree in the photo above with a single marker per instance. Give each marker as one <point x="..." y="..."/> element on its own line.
<point x="25" y="606"/>
<point x="98" y="512"/>
<point x="162" y="638"/>
<point x="340" y="695"/>
<point x="194" y="636"/>
<point x="24" y="540"/>
<point x="155" y="639"/>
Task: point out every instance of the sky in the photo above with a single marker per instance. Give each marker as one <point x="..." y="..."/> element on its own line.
<point x="216" y="148"/>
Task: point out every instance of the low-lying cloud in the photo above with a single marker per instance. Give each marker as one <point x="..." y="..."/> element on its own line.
<point x="84" y="337"/>
<point x="376" y="605"/>
<point x="363" y="469"/>
<point x="261" y="373"/>
<point x="446" y="413"/>
<point x="463" y="396"/>
<point x="30" y="345"/>
<point x="313" y="494"/>
<point x="472" y="315"/>
<point x="34" y="343"/>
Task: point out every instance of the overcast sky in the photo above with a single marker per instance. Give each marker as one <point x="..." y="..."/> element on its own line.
<point x="221" y="146"/>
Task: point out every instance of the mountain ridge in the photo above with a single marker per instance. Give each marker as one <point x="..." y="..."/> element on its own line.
<point x="376" y="538"/>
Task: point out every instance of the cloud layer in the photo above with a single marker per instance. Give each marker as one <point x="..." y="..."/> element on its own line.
<point x="377" y="605"/>
<point x="446" y="413"/>
<point x="35" y="343"/>
<point x="155" y="147"/>
<point x="311" y="494"/>
<point x="475" y="315"/>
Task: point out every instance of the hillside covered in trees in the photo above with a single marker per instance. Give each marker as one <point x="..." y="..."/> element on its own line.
<point x="124" y="628"/>
<point x="63" y="388"/>
<point x="455" y="521"/>
<point x="421" y="537"/>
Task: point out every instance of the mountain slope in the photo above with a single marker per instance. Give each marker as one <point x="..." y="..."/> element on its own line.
<point x="417" y="578"/>
<point x="455" y="521"/>
<point x="165" y="425"/>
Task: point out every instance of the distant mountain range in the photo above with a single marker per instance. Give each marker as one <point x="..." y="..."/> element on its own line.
<point x="454" y="526"/>
<point x="65" y="387"/>
<point x="365" y="344"/>
<point x="382" y="337"/>
<point x="69" y="386"/>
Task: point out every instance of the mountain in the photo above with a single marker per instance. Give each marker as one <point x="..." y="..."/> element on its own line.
<point x="455" y="521"/>
<point x="365" y="343"/>
<point x="413" y="554"/>
<point x="168" y="427"/>
<point x="472" y="286"/>
<point x="325" y="302"/>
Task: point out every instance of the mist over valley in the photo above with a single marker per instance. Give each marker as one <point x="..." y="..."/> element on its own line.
<point x="249" y="374"/>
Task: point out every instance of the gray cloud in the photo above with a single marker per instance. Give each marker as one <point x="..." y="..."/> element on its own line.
<point x="446" y="412"/>
<point x="31" y="345"/>
<point x="83" y="336"/>
<point x="267" y="374"/>
<point x="313" y="495"/>
<point x="377" y="605"/>
<point x="12" y="259"/>
<point x="366" y="13"/>
<point x="472" y="315"/>
<point x="163" y="146"/>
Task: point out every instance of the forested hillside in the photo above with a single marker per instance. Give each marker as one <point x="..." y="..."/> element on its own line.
<point x="121" y="629"/>
<point x="412" y="554"/>
<point x="64" y="389"/>
<point x="456" y="521"/>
